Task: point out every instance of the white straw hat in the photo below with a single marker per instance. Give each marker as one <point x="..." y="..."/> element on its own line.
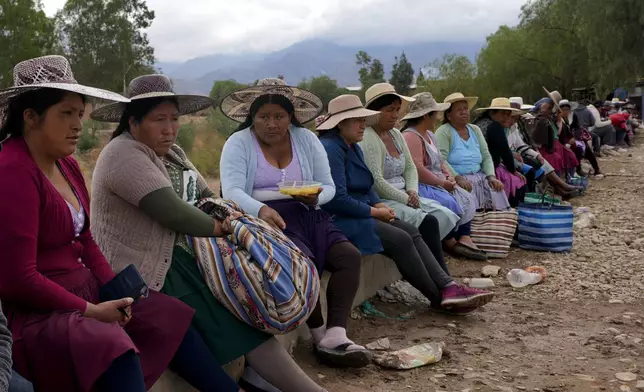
<point x="500" y="104"/>
<point x="380" y="90"/>
<point x="456" y="97"/>
<point x="152" y="86"/>
<point x="344" y="107"/>
<point x="523" y="106"/>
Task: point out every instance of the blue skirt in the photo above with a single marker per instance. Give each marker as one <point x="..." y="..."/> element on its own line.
<point x="440" y="195"/>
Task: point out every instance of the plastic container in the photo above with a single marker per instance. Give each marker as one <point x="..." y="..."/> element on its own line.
<point x="520" y="278"/>
<point x="299" y="188"/>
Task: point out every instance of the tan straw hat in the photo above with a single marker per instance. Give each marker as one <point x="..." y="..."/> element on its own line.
<point x="456" y="97"/>
<point x="380" y="90"/>
<point x="344" y="107"/>
<point x="424" y="104"/>
<point x="500" y="104"/>
<point x="152" y="86"/>
<point x="236" y="105"/>
<point x="555" y="97"/>
<point x="49" y="72"/>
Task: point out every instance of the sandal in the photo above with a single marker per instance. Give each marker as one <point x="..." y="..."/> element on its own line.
<point x="342" y="358"/>
<point x="468" y="252"/>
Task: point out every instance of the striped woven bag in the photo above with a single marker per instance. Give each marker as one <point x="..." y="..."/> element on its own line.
<point x="256" y="272"/>
<point x="493" y="231"/>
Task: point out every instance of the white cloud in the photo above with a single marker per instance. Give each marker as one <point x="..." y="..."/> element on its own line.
<point x="191" y="28"/>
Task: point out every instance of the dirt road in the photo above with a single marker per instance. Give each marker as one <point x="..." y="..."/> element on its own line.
<point x="573" y="333"/>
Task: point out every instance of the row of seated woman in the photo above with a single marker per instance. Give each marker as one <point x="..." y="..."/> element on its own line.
<point x="142" y="210"/>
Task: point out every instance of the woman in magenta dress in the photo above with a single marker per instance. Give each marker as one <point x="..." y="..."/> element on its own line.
<point x="51" y="268"/>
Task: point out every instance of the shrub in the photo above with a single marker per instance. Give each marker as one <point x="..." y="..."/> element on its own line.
<point x="186" y="136"/>
<point x="207" y="154"/>
<point x="218" y="122"/>
<point x="89" y="136"/>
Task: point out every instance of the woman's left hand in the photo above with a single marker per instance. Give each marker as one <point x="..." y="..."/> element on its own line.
<point x="225" y="227"/>
<point x="309" y="200"/>
<point x="414" y="200"/>
<point x="496" y="184"/>
<point x="521" y="176"/>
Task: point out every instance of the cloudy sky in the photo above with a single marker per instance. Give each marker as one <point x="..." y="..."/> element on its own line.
<point x="189" y="28"/>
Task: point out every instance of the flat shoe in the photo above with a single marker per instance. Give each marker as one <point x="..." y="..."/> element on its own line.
<point x="468" y="252"/>
<point x="341" y="358"/>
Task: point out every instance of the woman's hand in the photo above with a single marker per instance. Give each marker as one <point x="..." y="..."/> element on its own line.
<point x="384" y="214"/>
<point x="414" y="201"/>
<point x="518" y="157"/>
<point x="464" y="183"/>
<point x="449" y="185"/>
<point x="117" y="311"/>
<point x="521" y="176"/>
<point x="309" y="200"/>
<point x="272" y="217"/>
<point x="225" y="227"/>
<point x="495" y="184"/>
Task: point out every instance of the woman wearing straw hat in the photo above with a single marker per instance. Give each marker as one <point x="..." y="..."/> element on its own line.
<point x="371" y="224"/>
<point x="394" y="172"/>
<point x="466" y="154"/>
<point x="493" y="123"/>
<point x="435" y="180"/>
<point x="547" y="130"/>
<point x="271" y="146"/>
<point x="577" y="137"/>
<point x="143" y="193"/>
<point x="65" y="338"/>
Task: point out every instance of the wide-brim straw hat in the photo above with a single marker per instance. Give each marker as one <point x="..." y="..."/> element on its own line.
<point x="555" y="97"/>
<point x="519" y="111"/>
<point x="379" y="90"/>
<point x="424" y="104"/>
<point x="522" y="106"/>
<point x="49" y="72"/>
<point x="236" y="106"/>
<point x="345" y="107"/>
<point x="500" y="104"/>
<point x="152" y="86"/>
<point x="456" y="97"/>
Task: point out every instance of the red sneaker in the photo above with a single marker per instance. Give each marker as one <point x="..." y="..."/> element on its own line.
<point x="459" y="296"/>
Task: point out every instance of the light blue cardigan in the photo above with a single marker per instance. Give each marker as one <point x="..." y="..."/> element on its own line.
<point x="238" y="165"/>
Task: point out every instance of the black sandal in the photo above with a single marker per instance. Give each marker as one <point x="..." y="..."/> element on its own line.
<point x="341" y="358"/>
<point x="468" y="252"/>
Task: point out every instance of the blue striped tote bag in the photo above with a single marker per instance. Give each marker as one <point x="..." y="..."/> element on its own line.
<point x="545" y="227"/>
<point x="256" y="272"/>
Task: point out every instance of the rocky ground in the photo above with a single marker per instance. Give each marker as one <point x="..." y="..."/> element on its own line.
<point x="579" y="331"/>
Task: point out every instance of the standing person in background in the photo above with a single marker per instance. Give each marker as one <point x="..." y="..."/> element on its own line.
<point x="435" y="181"/>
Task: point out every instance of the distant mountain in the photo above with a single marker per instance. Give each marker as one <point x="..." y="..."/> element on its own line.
<point x="304" y="60"/>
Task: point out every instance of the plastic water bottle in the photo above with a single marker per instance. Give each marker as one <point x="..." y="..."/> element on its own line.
<point x="521" y="278"/>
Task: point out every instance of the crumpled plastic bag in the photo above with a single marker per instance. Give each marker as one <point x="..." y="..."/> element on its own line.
<point x="411" y="357"/>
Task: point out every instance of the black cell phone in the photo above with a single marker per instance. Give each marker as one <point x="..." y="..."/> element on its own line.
<point x="126" y="284"/>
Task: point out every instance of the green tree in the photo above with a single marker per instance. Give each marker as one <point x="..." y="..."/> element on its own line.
<point x="402" y="74"/>
<point x="421" y="77"/>
<point x="322" y="86"/>
<point x="371" y="70"/>
<point x="25" y="33"/>
<point x="221" y="88"/>
<point x="106" y="41"/>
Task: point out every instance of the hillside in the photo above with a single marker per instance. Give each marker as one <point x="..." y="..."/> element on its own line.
<point x="301" y="61"/>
